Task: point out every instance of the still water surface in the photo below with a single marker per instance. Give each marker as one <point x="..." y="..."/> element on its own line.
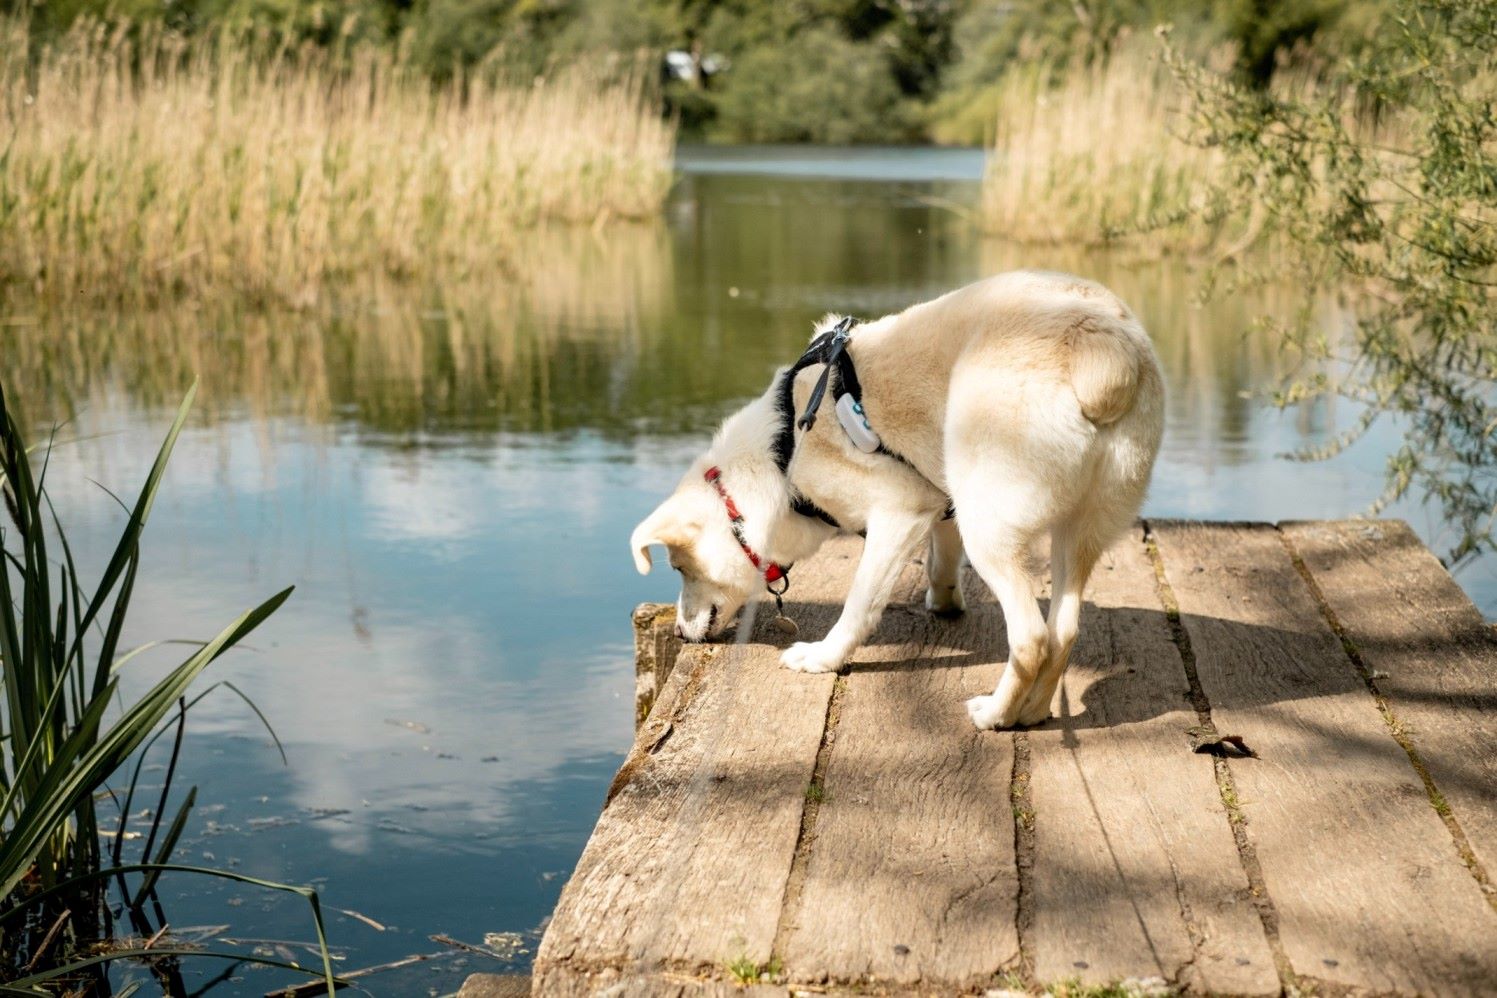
<point x="449" y="478"/>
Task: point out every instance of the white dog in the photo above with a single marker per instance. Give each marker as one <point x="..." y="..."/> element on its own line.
<point x="1032" y="403"/>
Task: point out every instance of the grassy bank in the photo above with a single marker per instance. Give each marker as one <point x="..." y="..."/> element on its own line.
<point x="146" y="167"/>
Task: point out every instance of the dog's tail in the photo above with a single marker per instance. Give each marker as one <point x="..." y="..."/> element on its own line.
<point x="1104" y="370"/>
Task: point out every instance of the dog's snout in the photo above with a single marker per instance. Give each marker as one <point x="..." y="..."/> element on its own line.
<point x="680" y="632"/>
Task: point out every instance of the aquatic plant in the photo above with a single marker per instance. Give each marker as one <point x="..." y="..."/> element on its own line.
<point x="66" y="728"/>
<point x="142" y="165"/>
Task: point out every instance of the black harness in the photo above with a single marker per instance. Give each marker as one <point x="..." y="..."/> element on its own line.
<point x="829" y="349"/>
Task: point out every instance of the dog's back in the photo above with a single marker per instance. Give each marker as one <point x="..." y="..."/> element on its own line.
<point x="1048" y="363"/>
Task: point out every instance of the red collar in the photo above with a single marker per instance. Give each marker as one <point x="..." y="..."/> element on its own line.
<point x="773" y="571"/>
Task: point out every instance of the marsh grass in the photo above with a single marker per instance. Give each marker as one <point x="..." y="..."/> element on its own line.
<point x="1093" y="154"/>
<point x="1113" y="152"/>
<point x="141" y="166"/>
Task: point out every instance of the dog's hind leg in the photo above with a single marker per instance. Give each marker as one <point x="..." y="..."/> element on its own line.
<point x="999" y="551"/>
<point x="1072" y="559"/>
<point x="893" y="537"/>
<point x="943" y="567"/>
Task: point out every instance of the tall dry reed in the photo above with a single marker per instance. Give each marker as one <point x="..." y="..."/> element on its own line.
<point x="1096" y="155"/>
<point x="1108" y="152"/>
<point x="143" y="166"/>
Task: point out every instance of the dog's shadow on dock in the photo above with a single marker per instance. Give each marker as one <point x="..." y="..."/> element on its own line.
<point x="1132" y="664"/>
<point x="1137" y="665"/>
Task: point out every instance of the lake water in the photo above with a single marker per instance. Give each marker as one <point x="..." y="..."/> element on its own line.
<point x="449" y="477"/>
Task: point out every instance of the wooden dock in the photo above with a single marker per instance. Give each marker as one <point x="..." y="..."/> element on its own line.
<point x="854" y="833"/>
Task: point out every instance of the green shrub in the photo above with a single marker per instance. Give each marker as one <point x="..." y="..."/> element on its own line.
<point x="815" y="87"/>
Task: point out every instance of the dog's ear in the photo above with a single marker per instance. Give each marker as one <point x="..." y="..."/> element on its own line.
<point x="640" y="542"/>
<point x="664" y="526"/>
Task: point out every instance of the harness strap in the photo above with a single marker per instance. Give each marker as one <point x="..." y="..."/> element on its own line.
<point x="830" y="349"/>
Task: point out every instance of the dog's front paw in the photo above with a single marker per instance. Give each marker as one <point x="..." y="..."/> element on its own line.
<point x="945" y="601"/>
<point x="1036" y="708"/>
<point x="987" y="713"/>
<point x="812" y="656"/>
<point x="1035" y="713"/>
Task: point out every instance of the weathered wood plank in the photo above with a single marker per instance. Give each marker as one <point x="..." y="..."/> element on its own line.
<point x="1432" y="654"/>
<point x="1136" y="873"/>
<point x="495" y="986"/>
<point x="613" y="983"/>
<point x="688" y="864"/>
<point x="1368" y="889"/>
<point x="911" y="876"/>
<point x="655" y="649"/>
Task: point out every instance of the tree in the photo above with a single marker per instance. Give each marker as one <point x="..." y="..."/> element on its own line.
<point x="1381" y="186"/>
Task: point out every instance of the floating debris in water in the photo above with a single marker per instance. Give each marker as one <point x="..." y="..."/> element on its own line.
<point x="318" y="813"/>
<point x="376" y="926"/>
<point x="276" y="821"/>
<point x="415" y="726"/>
<point x="386" y="825"/>
<point x="505" y="945"/>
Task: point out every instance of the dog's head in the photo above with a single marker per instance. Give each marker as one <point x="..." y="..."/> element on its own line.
<point x="717" y="578"/>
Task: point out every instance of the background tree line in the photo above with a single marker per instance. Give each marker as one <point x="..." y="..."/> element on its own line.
<point x="797" y="71"/>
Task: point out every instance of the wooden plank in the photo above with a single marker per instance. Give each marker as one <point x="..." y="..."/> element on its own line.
<point x="566" y="983"/>
<point x="1430" y="651"/>
<point x="655" y="649"/>
<point x="1136" y="872"/>
<point x="687" y="867"/>
<point x="495" y="986"/>
<point x="911" y="875"/>
<point x="1361" y="871"/>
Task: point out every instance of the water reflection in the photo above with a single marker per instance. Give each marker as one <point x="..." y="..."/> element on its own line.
<point x="449" y="473"/>
<point x="466" y="356"/>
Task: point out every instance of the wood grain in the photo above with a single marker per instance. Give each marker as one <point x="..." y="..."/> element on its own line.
<point x="688" y="864"/>
<point x="1136" y="873"/>
<point x="911" y="876"/>
<point x="1431" y="654"/>
<point x="1367" y="886"/>
<point x="655" y="649"/>
<point x="611" y="982"/>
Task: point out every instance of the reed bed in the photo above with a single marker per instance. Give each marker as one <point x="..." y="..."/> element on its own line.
<point x="1096" y="155"/>
<point x="143" y="166"/>
<point x="1109" y="152"/>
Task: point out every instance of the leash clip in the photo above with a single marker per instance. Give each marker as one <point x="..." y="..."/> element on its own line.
<point x="833" y="352"/>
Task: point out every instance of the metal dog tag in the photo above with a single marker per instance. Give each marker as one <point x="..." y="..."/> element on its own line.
<point x="855" y="424"/>
<point x="785" y="626"/>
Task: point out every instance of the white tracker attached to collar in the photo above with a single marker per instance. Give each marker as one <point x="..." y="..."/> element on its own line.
<point x="850" y="415"/>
